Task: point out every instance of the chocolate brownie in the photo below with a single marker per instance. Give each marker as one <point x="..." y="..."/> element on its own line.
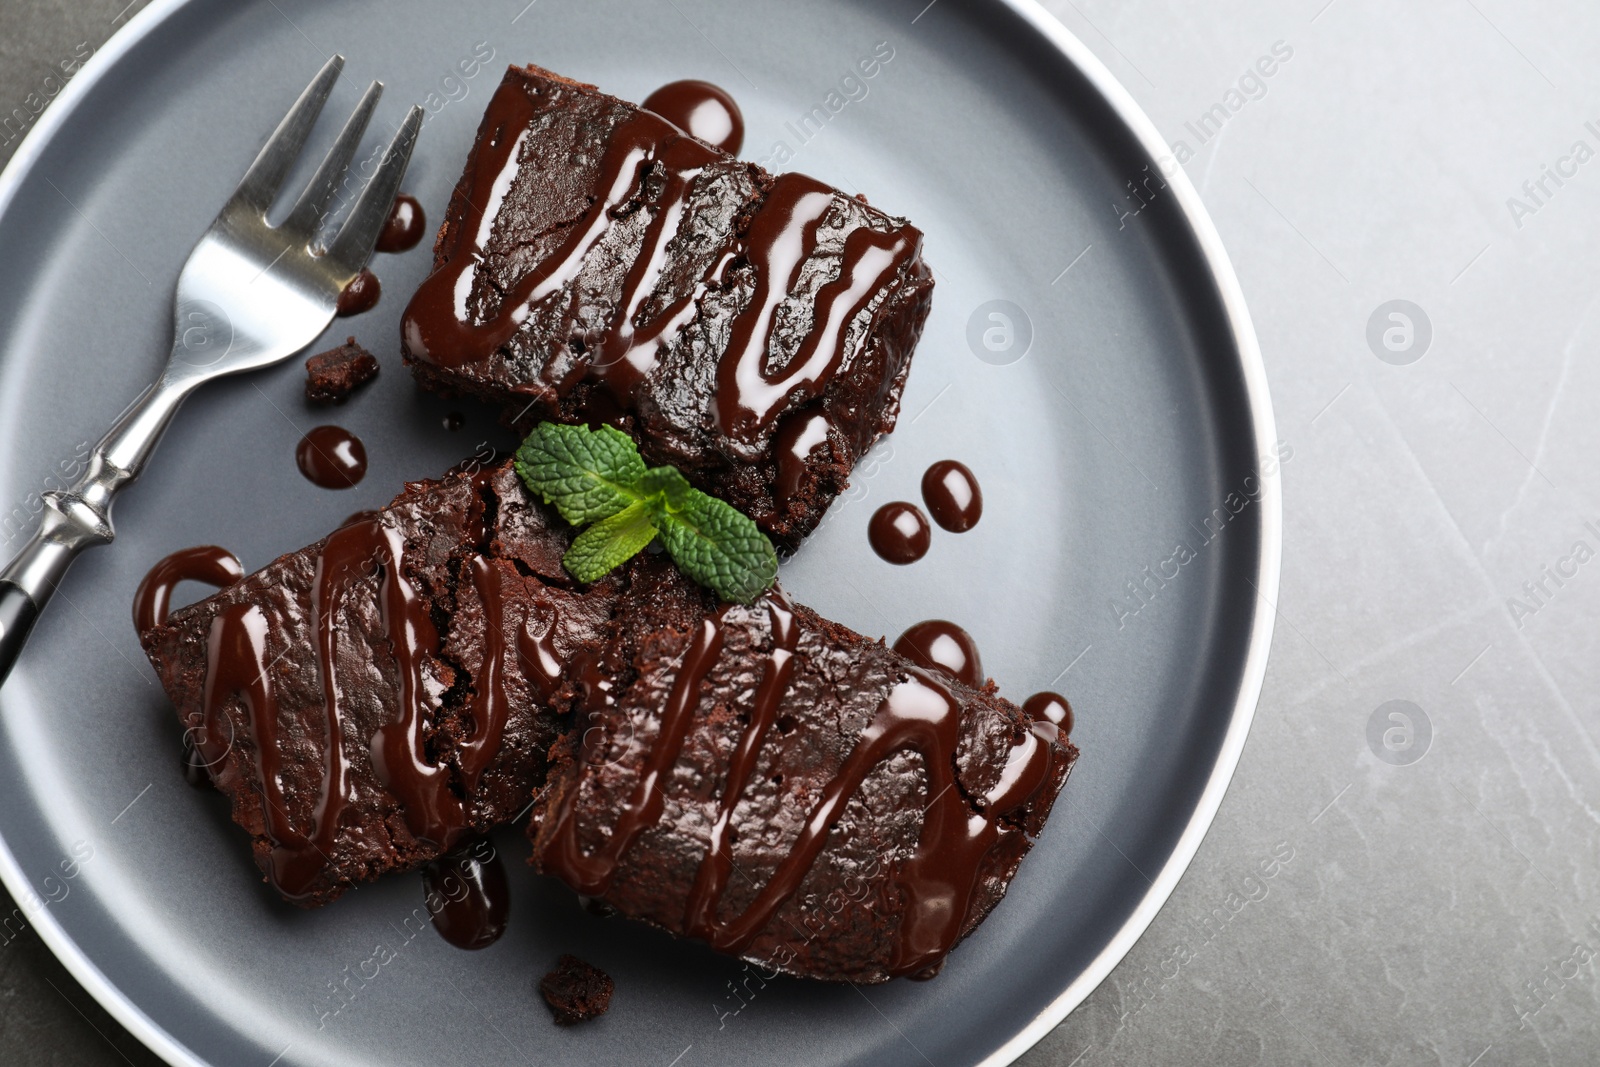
<point x="576" y="991"/>
<point x="758" y="777"/>
<point x="392" y="634"/>
<point x="596" y="264"/>
<point x="333" y="375"/>
<point x="788" y="790"/>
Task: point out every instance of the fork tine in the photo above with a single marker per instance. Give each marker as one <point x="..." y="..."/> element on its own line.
<point x="260" y="183"/>
<point x="353" y="247"/>
<point x="307" y="215"/>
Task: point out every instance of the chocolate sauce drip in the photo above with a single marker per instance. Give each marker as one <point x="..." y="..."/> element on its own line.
<point x="491" y="707"/>
<point x="153" y="602"/>
<point x="433" y="812"/>
<point x="919" y="714"/>
<point x="359" y="516"/>
<point x="899" y="533"/>
<point x="204" y="563"/>
<point x="402" y="230"/>
<point x="332" y="457"/>
<point x="952" y="495"/>
<point x="945" y="647"/>
<point x="540" y="663"/>
<point x="591" y="874"/>
<point x="1050" y="707"/>
<point x="239" y="666"/>
<point x="781" y="237"/>
<point x="701" y="110"/>
<point x="711" y="880"/>
<point x="623" y="352"/>
<point x="801" y="434"/>
<point x="468" y="895"/>
<point x="360" y="295"/>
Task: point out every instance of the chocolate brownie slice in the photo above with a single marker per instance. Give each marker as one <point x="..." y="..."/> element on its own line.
<point x="789" y="790"/>
<point x="427" y="639"/>
<point x="597" y="264"/>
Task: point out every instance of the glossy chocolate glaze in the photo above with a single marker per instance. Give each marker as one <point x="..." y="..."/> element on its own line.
<point x="204" y="563"/>
<point x="919" y="714"/>
<point x="238" y="666"/>
<point x="899" y="533"/>
<point x="701" y="110"/>
<point x="1050" y="707"/>
<point x="152" y="602"/>
<point x="332" y="457"/>
<point x="619" y="354"/>
<point x="468" y="895"/>
<point x="952" y="495"/>
<point x="404" y="227"/>
<point x="360" y="295"/>
<point x="943" y="646"/>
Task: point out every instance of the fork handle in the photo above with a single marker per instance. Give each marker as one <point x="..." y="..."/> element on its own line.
<point x="17" y="613"/>
<point x="79" y="517"/>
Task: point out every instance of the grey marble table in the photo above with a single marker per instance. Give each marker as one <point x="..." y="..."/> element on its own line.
<point x="1407" y="867"/>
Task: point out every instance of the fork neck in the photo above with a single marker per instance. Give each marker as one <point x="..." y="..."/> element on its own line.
<point x="79" y="517"/>
<point x="127" y="447"/>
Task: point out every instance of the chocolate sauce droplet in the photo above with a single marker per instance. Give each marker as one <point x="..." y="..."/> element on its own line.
<point x="195" y="771"/>
<point x="454" y="421"/>
<point x="943" y="646"/>
<point x="467" y="893"/>
<point x="1050" y="707"/>
<point x="403" y="228"/>
<point x="899" y="533"/>
<point x="360" y="295"/>
<point x="701" y="110"/>
<point x="952" y="495"/>
<point x="332" y="457"/>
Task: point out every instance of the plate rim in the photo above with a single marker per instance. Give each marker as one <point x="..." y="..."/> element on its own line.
<point x="1269" y="562"/>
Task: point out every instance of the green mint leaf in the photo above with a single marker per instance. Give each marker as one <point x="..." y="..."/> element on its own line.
<point x="589" y="475"/>
<point x="665" y="489"/>
<point x="717" y="545"/>
<point x="610" y="542"/>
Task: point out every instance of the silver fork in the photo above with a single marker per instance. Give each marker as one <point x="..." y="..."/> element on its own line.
<point x="250" y="295"/>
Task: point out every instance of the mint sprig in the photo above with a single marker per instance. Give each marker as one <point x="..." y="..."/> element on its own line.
<point x="596" y="479"/>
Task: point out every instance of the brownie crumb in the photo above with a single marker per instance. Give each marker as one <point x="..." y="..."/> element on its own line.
<point x="333" y="375"/>
<point x="576" y="991"/>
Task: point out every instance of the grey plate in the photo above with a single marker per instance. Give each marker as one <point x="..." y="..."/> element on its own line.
<point x="1137" y="408"/>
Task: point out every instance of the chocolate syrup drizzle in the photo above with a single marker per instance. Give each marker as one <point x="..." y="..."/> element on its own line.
<point x="204" y="563"/>
<point x="239" y="665"/>
<point x="152" y="603"/>
<point x="783" y="232"/>
<point x="919" y="714"/>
